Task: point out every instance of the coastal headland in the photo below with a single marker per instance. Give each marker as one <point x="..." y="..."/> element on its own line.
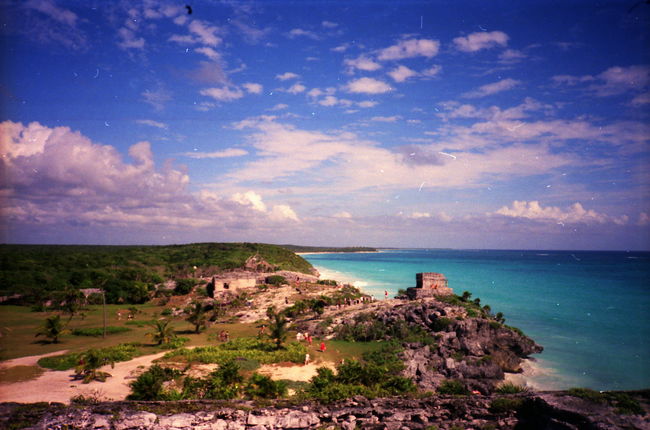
<point x="254" y="339"/>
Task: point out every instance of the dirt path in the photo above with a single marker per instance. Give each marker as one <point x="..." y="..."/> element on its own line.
<point x="31" y="360"/>
<point x="297" y="372"/>
<point x="60" y="386"/>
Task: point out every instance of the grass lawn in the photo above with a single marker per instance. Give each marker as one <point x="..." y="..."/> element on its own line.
<point x="18" y="326"/>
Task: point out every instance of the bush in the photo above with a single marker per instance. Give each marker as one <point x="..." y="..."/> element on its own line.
<point x="587" y="394"/>
<point x="264" y="387"/>
<point x="452" y="387"/>
<point x="184" y="286"/>
<point x="441" y="324"/>
<point x="167" y="312"/>
<point x="510" y="388"/>
<point x="625" y="404"/>
<point x="121" y="352"/>
<point x="366" y="327"/>
<point x="149" y="385"/>
<point x="329" y="282"/>
<point x="275" y="280"/>
<point x="99" y="331"/>
<point x="505" y="404"/>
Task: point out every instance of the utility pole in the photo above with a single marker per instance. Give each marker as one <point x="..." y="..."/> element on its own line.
<point x="104" y="307"/>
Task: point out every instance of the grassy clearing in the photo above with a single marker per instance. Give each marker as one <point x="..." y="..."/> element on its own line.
<point x="18" y="326"/>
<point x="19" y="374"/>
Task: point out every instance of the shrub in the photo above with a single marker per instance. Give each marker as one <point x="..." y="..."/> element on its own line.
<point x="510" y="388"/>
<point x="99" y="331"/>
<point x="184" y="286"/>
<point x="121" y="352"/>
<point x="587" y="394"/>
<point x="503" y="405"/>
<point x="441" y="324"/>
<point x="275" y="280"/>
<point x="167" y="312"/>
<point x="453" y="387"/>
<point x="149" y="385"/>
<point x="329" y="282"/>
<point x="625" y="404"/>
<point x="265" y="387"/>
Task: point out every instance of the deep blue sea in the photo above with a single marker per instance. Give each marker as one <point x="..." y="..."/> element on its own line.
<point x="589" y="310"/>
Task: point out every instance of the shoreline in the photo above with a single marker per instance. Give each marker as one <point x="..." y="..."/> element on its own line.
<point x="337" y="252"/>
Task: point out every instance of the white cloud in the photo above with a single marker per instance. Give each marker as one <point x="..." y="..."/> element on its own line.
<point x="368" y="86"/>
<point x="299" y="32"/>
<point x="367" y="104"/>
<point x="402" y="73"/>
<point x="252" y="88"/>
<point x="223" y="94"/>
<point x="644" y="219"/>
<point x="226" y="153"/>
<point x="254" y="201"/>
<point x="209" y="52"/>
<point x="641" y="99"/>
<point x="416" y="215"/>
<point x="329" y="24"/>
<point x="151" y="123"/>
<point x="48" y="7"/>
<point x="279" y="106"/>
<point x="510" y="56"/>
<point x="157" y="98"/>
<point x="493" y="88"/>
<point x="283" y="213"/>
<point x="343" y="214"/>
<point x="393" y="118"/>
<point x="573" y="214"/>
<point x="613" y="81"/>
<point x="296" y="88"/>
<point x="362" y="63"/>
<point x="328" y="101"/>
<point x="286" y="76"/>
<point x="128" y="39"/>
<point x="410" y="48"/>
<point x="206" y="33"/>
<point x="481" y="40"/>
<point x="432" y="71"/>
<point x="341" y="48"/>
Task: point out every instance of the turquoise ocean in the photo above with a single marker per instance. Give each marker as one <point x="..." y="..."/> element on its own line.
<point x="590" y="310"/>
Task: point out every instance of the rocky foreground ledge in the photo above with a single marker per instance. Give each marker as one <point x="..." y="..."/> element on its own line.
<point x="550" y="410"/>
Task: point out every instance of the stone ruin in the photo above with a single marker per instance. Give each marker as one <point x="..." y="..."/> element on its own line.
<point x="429" y="285"/>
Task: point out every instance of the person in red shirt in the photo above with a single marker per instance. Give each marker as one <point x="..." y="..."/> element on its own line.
<point x="322" y="347"/>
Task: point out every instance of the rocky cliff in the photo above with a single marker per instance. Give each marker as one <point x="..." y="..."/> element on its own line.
<point x="531" y="411"/>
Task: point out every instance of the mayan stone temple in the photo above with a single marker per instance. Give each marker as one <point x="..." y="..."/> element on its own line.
<point x="429" y="285"/>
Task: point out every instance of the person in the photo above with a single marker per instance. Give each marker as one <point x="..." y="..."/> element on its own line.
<point x="227" y="336"/>
<point x="307" y="359"/>
<point x="322" y="347"/>
<point x="309" y="339"/>
<point x="385" y="294"/>
<point x="300" y="337"/>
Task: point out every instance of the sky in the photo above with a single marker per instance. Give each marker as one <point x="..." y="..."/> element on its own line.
<point x="427" y="124"/>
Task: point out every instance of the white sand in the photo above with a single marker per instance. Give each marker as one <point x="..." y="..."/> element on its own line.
<point x="60" y="386"/>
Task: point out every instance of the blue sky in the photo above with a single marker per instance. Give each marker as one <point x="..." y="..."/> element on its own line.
<point x="380" y="123"/>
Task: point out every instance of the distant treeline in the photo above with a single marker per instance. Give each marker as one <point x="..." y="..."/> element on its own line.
<point x="127" y="273"/>
<point x="299" y="248"/>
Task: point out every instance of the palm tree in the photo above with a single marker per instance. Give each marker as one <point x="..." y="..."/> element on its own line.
<point x="197" y="316"/>
<point x="278" y="328"/>
<point x="52" y="328"/>
<point x="162" y="333"/>
<point x="89" y="364"/>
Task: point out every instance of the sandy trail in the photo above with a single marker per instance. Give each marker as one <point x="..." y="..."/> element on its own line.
<point x="59" y="386"/>
<point x="31" y="360"/>
<point x="295" y="372"/>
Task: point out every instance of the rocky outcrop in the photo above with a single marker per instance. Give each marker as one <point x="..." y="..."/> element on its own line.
<point x="476" y="350"/>
<point x="529" y="411"/>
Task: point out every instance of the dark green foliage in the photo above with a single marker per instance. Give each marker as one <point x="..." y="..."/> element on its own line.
<point x="163" y="332"/>
<point x="503" y="405"/>
<point x="275" y="280"/>
<point x="52" y="328"/>
<point x="99" y="331"/>
<point x="128" y="274"/>
<point x="441" y="324"/>
<point x="121" y="352"/>
<point x="453" y="387"/>
<point x="622" y="402"/>
<point x="149" y="385"/>
<point x="329" y="282"/>
<point x="510" y="388"/>
<point x="299" y="248"/>
<point x="89" y="363"/>
<point x="197" y="316"/>
<point x="278" y="328"/>
<point x="376" y="375"/>
<point x="184" y="286"/>
<point x="366" y="327"/>
<point x="261" y="386"/>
